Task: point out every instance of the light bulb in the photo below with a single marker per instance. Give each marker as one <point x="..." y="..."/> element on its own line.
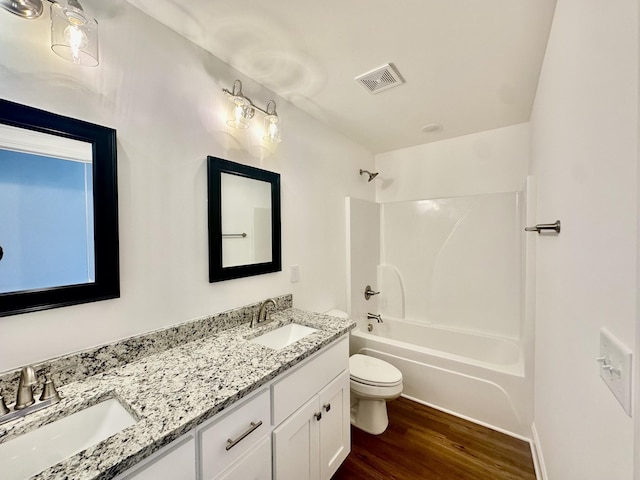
<point x="272" y="130"/>
<point x="74" y="35"/>
<point x="77" y="41"/>
<point x="240" y="113"/>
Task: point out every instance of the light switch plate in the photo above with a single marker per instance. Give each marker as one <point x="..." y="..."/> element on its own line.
<point x="295" y="273"/>
<point x="615" y="367"/>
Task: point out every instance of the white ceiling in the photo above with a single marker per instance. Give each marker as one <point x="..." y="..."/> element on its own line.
<point x="469" y="65"/>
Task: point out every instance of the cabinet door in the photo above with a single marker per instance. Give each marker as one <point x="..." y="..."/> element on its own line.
<point x="295" y="445"/>
<point x="335" y="430"/>
<point x="255" y="465"/>
<point x="176" y="461"/>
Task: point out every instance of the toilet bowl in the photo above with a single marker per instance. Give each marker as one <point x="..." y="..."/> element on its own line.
<point x="374" y="382"/>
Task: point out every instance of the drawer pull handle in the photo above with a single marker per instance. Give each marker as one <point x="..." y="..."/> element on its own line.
<point x="327" y="407"/>
<point x="233" y="443"/>
<point x="318" y="416"/>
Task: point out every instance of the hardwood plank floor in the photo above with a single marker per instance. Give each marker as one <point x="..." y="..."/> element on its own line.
<point x="424" y="443"/>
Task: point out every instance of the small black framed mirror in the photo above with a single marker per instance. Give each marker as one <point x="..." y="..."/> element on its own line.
<point x="244" y="220"/>
<point x="59" y="215"/>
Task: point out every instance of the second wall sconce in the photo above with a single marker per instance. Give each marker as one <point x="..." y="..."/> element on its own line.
<point x="74" y="34"/>
<point x="242" y="110"/>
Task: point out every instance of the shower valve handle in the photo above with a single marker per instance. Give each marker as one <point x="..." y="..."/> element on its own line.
<point x="368" y="292"/>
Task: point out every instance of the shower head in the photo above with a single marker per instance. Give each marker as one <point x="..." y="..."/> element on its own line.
<point x="371" y="175"/>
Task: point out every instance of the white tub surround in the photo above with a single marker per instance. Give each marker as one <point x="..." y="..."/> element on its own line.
<point x="174" y="390"/>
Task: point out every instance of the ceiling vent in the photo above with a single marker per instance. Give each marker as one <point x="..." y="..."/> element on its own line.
<point x="380" y="79"/>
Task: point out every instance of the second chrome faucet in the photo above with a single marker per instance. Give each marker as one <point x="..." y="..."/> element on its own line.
<point x="263" y="313"/>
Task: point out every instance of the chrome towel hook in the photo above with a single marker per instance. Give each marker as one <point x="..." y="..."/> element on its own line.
<point x="544" y="226"/>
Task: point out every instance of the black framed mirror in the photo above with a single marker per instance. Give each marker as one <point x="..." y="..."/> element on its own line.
<point x="244" y="220"/>
<point x="59" y="215"/>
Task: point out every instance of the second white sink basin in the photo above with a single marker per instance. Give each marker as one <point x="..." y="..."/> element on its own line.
<point x="39" y="449"/>
<point x="284" y="336"/>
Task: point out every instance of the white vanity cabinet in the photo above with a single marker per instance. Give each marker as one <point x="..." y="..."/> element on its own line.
<point x="176" y="461"/>
<point x="312" y="436"/>
<point x="309" y="405"/>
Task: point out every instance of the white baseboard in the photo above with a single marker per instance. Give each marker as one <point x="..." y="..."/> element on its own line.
<point x="536" y="453"/>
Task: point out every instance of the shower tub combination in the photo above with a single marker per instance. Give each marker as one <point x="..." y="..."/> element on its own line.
<point x="473" y="376"/>
<point x="452" y="289"/>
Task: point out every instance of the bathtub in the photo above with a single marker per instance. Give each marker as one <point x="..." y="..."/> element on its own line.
<point x="477" y="377"/>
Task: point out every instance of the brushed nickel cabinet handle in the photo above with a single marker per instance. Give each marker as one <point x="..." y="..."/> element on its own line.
<point x="233" y="443"/>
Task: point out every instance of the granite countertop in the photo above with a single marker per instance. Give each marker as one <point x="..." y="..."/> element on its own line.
<point x="173" y="391"/>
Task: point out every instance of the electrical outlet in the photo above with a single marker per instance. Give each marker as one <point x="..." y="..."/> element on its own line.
<point x="615" y="367"/>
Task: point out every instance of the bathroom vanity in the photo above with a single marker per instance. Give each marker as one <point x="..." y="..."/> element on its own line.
<point x="221" y="407"/>
<point x="309" y="438"/>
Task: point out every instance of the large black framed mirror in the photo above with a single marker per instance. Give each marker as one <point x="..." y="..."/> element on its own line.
<point x="59" y="211"/>
<point x="244" y="220"/>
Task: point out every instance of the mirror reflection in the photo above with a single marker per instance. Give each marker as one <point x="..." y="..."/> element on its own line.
<point x="46" y="231"/>
<point x="246" y="220"/>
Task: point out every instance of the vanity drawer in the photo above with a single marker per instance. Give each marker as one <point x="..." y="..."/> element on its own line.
<point x="255" y="465"/>
<point x="235" y="425"/>
<point x="308" y="378"/>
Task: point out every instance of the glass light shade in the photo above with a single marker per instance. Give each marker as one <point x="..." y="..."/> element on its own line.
<point x="272" y="128"/>
<point x="240" y="112"/>
<point x="74" y="35"/>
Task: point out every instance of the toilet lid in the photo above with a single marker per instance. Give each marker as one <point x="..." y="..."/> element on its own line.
<point x="373" y="371"/>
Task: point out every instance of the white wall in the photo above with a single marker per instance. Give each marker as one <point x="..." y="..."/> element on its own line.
<point x="494" y="161"/>
<point x="584" y="155"/>
<point x="163" y="95"/>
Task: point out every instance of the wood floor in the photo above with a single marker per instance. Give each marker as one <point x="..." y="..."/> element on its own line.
<point x="424" y="443"/>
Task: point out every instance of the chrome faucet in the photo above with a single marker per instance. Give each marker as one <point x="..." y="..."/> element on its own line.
<point x="25" y="403"/>
<point x="373" y="316"/>
<point x="263" y="313"/>
<point x="25" y="388"/>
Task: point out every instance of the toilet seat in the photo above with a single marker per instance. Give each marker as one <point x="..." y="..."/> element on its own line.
<point x="371" y="371"/>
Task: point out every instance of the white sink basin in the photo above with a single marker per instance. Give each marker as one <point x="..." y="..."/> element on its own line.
<point x="34" y="451"/>
<point x="283" y="336"/>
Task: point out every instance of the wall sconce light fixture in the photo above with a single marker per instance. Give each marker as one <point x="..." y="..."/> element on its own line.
<point x="74" y="34"/>
<point x="242" y="109"/>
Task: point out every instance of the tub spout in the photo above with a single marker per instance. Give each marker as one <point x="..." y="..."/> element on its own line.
<point x="373" y="316"/>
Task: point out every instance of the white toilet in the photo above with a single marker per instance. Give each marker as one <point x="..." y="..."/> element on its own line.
<point x="373" y="383"/>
